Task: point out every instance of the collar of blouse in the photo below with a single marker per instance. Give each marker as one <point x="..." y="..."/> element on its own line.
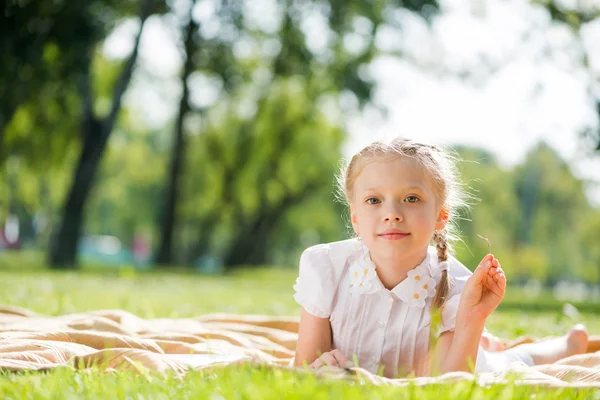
<point x="419" y="285"/>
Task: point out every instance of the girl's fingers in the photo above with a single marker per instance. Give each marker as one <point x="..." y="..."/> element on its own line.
<point x="494" y="287"/>
<point x="488" y="257"/>
<point x="329" y="360"/>
<point x="334" y="358"/>
<point x="496" y="283"/>
<point x="495" y="271"/>
<point x="501" y="284"/>
<point x="339" y="357"/>
<point x="316" y="364"/>
<point x="500" y="277"/>
<point x="495" y="267"/>
<point x="483" y="267"/>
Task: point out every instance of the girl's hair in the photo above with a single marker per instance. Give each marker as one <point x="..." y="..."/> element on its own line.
<point x="441" y="166"/>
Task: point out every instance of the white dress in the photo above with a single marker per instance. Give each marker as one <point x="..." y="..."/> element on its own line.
<point x="381" y="328"/>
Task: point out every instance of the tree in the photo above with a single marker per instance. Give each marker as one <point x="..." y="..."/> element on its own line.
<point x="552" y="208"/>
<point x="95" y="133"/>
<point x="492" y="208"/>
<point x="168" y="217"/>
<point x="577" y="16"/>
<point x="46" y="47"/>
<point x="589" y="239"/>
<point x="252" y="170"/>
<point x="40" y="50"/>
<point x="283" y="52"/>
<point x="536" y="216"/>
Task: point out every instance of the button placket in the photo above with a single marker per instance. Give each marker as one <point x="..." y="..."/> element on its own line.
<point x="382" y="324"/>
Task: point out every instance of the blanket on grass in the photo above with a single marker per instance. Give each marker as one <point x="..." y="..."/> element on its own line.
<point x="118" y="340"/>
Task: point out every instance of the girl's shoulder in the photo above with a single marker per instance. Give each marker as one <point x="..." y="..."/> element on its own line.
<point x="321" y="269"/>
<point x="334" y="255"/>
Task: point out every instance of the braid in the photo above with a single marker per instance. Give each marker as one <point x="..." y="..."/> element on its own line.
<point x="441" y="244"/>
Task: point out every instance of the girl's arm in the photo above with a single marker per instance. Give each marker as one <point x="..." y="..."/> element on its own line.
<point x="457" y="351"/>
<point x="314" y="338"/>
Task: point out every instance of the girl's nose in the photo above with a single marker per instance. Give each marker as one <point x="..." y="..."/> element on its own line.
<point x="393" y="214"/>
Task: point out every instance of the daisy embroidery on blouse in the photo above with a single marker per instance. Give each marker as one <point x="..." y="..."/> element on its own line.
<point x="420" y="285"/>
<point x="362" y="274"/>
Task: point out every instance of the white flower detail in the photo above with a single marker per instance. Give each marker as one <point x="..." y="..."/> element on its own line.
<point x="417" y="275"/>
<point x="419" y="286"/>
<point x="429" y="286"/>
<point x="418" y="298"/>
<point x="362" y="273"/>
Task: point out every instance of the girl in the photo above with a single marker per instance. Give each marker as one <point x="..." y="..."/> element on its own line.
<point x="376" y="300"/>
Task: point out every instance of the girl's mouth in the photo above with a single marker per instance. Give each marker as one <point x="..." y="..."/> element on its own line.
<point x="393" y="235"/>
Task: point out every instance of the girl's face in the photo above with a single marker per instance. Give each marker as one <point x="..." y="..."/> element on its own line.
<point x="395" y="210"/>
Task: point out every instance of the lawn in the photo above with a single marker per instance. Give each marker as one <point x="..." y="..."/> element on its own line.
<point x="267" y="291"/>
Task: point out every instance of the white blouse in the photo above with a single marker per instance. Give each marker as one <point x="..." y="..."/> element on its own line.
<point x="380" y="327"/>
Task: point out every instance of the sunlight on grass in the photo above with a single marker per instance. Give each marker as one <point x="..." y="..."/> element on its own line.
<point x="150" y="294"/>
<point x="252" y="383"/>
<point x="261" y="291"/>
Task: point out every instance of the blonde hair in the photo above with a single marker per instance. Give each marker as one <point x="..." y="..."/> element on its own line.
<point x="441" y="166"/>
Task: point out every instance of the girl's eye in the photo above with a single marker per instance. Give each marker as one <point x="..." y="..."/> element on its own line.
<point x="373" y="200"/>
<point x="411" y="199"/>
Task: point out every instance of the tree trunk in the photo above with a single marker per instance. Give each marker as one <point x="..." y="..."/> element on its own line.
<point x="598" y="133"/>
<point x="63" y="247"/>
<point x="202" y="245"/>
<point x="251" y="244"/>
<point x="528" y="193"/>
<point x="4" y="121"/>
<point x="164" y="255"/>
<point x="63" y="250"/>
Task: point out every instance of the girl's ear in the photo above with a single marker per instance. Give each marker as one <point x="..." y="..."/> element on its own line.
<point x="442" y="219"/>
<point x="354" y="220"/>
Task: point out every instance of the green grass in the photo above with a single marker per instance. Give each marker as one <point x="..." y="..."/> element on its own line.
<point x="268" y="291"/>
<point x="251" y="383"/>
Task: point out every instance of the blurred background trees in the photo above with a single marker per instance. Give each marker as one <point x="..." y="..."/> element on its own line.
<point x="243" y="173"/>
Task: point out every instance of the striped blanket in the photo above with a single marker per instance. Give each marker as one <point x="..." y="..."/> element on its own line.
<point x="116" y="339"/>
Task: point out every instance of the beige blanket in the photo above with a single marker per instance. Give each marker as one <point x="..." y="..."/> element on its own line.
<point x="116" y="339"/>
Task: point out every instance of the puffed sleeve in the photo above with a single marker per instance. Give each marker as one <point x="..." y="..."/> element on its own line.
<point x="315" y="286"/>
<point x="449" y="314"/>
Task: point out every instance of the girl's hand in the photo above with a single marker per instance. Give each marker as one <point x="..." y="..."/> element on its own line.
<point x="484" y="289"/>
<point x="333" y="358"/>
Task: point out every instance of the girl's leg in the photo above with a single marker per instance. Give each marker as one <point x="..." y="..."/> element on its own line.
<point x="549" y="351"/>
<point x="491" y="343"/>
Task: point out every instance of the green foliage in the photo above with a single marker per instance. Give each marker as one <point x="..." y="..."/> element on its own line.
<point x="577" y="16"/>
<point x="493" y="206"/>
<point x="46" y="49"/>
<point x="553" y="205"/>
<point x="244" y="170"/>
<point x="536" y="216"/>
<point x="262" y="156"/>
<point x="128" y="186"/>
<point x="28" y="192"/>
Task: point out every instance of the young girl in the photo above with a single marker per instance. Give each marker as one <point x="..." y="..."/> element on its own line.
<point x="376" y="299"/>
